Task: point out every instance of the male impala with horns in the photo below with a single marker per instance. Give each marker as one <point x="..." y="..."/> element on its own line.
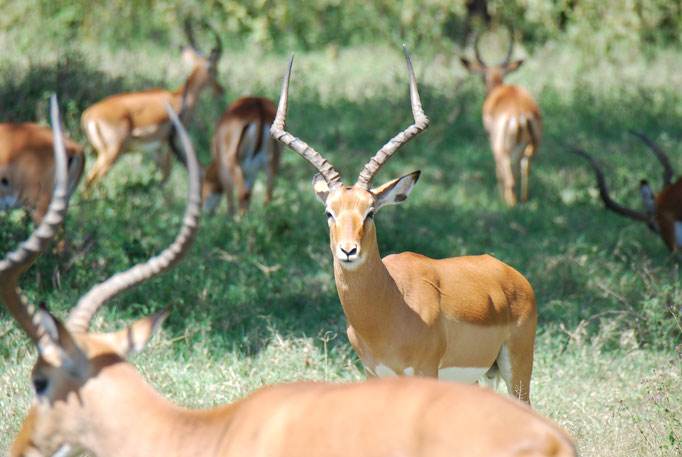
<point x="456" y="319"/>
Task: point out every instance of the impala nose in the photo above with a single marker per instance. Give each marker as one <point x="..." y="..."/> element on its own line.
<point x="348" y="252"/>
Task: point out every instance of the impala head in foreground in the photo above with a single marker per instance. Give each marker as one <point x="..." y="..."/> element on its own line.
<point x="241" y="147"/>
<point x="138" y="121"/>
<point x="27" y="167"/>
<point x="457" y="319"/>
<point x="511" y="117"/>
<point x="74" y="367"/>
<point x="662" y="211"/>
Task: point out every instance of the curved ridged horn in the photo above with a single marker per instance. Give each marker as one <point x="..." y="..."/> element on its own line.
<point x="217" y="50"/>
<point x="476" y="50"/>
<point x="604" y="193"/>
<point x="662" y="157"/>
<point x="421" y="123"/>
<point x="511" y="47"/>
<point x="278" y="133"/>
<point x="189" y="33"/>
<point x="18" y="261"/>
<point x="81" y="316"/>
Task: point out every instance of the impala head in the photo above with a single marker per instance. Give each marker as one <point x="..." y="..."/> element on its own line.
<point x="648" y="196"/>
<point x="350" y="211"/>
<point x="493" y="75"/>
<point x="76" y="370"/>
<point x="205" y="66"/>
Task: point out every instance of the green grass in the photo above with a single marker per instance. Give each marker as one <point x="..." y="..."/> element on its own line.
<point x="609" y="294"/>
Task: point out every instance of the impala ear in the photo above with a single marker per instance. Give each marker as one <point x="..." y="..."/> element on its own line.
<point x="189" y="55"/>
<point x="134" y="338"/>
<point x="474" y="67"/>
<point x="513" y="66"/>
<point x="321" y="188"/>
<point x="396" y="191"/>
<point x="57" y="346"/>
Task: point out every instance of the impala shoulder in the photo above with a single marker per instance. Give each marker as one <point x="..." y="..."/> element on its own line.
<point x="406" y="260"/>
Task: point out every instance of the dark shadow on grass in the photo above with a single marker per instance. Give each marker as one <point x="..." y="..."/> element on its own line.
<point x="557" y="243"/>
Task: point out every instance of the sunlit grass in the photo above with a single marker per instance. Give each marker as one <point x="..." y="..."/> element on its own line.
<point x="609" y="295"/>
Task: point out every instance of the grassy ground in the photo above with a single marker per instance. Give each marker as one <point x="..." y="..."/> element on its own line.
<point x="255" y="302"/>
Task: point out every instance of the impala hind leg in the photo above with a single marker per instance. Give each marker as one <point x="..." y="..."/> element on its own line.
<point x="272" y="169"/>
<point x="102" y="166"/>
<point x="525" y="170"/>
<point x="163" y="160"/>
<point x="505" y="178"/>
<point x="515" y="363"/>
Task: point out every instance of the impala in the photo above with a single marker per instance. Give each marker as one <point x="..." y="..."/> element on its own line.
<point x="456" y="318"/>
<point x="512" y="119"/>
<point x="27" y="167"/>
<point x="139" y="121"/>
<point x="662" y="211"/>
<point x="241" y="147"/>
<point x="89" y="399"/>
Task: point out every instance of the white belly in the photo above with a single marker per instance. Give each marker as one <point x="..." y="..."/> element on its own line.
<point x="456" y="374"/>
<point x="144" y="147"/>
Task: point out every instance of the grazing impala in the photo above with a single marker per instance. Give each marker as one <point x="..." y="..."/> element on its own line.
<point x="89" y="399"/>
<point x="455" y="319"/>
<point x="241" y="147"/>
<point x="513" y="121"/>
<point x="138" y="120"/>
<point x="27" y="167"/>
<point x="662" y="211"/>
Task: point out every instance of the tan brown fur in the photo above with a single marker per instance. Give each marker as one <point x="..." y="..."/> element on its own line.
<point x="512" y="118"/>
<point x="408" y="311"/>
<point x="113" y="412"/>
<point x="235" y="149"/>
<point x="27" y="166"/>
<point x="138" y="120"/>
<point x="668" y="213"/>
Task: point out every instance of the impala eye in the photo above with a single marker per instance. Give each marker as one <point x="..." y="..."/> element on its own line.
<point x="40" y="385"/>
<point x="329" y="215"/>
<point x="370" y="215"/>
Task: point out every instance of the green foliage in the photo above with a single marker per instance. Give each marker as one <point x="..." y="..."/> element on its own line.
<point x="282" y="25"/>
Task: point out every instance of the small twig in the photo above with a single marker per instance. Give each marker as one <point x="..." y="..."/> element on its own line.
<point x="267" y="269"/>
<point x="179" y="338"/>
<point x="226" y="256"/>
<point x="88" y="247"/>
<point x="610" y="292"/>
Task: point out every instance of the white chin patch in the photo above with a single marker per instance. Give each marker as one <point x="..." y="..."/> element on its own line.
<point x="351" y="265"/>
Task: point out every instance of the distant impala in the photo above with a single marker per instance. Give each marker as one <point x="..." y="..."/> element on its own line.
<point x="88" y="399"/>
<point x="457" y="319"/>
<point x="512" y="119"/>
<point x="663" y="211"/>
<point x="139" y="121"/>
<point x="241" y="147"/>
<point x="27" y="167"/>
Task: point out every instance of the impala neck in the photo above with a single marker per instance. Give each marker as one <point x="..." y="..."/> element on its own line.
<point x="159" y="427"/>
<point x="194" y="85"/>
<point x="368" y="293"/>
